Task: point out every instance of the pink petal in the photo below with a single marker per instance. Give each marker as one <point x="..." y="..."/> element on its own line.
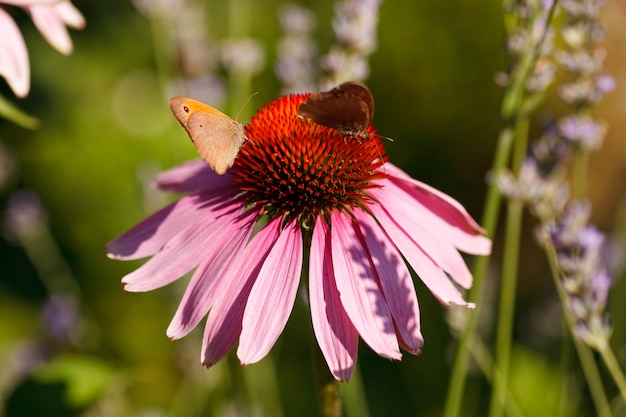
<point x="13" y="56"/>
<point x="223" y="325"/>
<point x="220" y="249"/>
<point x="28" y="3"/>
<point x="395" y="280"/>
<point x="51" y="27"/>
<point x="272" y="296"/>
<point x="335" y="333"/>
<point x="70" y="15"/>
<point x="359" y="291"/>
<point x="447" y="209"/>
<point x="433" y="276"/>
<point x="180" y="254"/>
<point x="149" y="236"/>
<point x="432" y="238"/>
<point x="192" y="176"/>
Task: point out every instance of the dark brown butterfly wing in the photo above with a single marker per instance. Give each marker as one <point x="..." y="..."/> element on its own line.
<point x="348" y="108"/>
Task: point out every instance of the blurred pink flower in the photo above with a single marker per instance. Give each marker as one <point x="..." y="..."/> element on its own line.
<point x="50" y="17"/>
<point x="320" y="196"/>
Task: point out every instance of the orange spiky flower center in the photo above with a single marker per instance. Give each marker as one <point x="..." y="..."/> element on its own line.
<point x="297" y="168"/>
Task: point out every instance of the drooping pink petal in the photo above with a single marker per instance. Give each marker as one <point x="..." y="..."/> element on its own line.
<point x="28" y="3"/>
<point x="429" y="235"/>
<point x="433" y="276"/>
<point x="51" y="19"/>
<point x="181" y="254"/>
<point x="395" y="280"/>
<point x="13" y="56"/>
<point x="336" y="335"/>
<point x="149" y="236"/>
<point x="360" y="294"/>
<point x="70" y="15"/>
<point x="192" y="176"/>
<point x="272" y="297"/>
<point x="220" y="251"/>
<point x="223" y="325"/>
<point x="446" y="209"/>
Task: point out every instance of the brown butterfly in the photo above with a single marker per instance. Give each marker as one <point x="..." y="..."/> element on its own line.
<point x="347" y="108"/>
<point x="216" y="136"/>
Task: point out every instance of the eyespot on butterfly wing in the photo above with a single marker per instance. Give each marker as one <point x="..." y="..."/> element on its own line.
<point x="215" y="136"/>
<point x="348" y="108"/>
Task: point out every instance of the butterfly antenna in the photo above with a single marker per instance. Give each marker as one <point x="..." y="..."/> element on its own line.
<point x="381" y="157"/>
<point x="245" y="104"/>
<point x="385" y="137"/>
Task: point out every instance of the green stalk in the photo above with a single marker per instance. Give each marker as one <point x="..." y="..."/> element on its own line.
<point x="564" y="359"/>
<point x="328" y="398"/>
<point x="13" y="113"/>
<point x="485" y="361"/>
<point x="511" y="111"/>
<point x="613" y="366"/>
<point x="585" y="355"/>
<point x="328" y="395"/>
<point x="579" y="176"/>
<point x="489" y="221"/>
<point x="508" y="287"/>
<point x="506" y="309"/>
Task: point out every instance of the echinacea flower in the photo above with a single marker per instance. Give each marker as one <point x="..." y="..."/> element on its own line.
<point x="50" y="17"/>
<point x="299" y="191"/>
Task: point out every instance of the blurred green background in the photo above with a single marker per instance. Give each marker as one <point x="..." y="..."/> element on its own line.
<point x="106" y="130"/>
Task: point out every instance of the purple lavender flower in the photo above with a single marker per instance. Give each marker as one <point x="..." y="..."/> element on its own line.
<point x="354" y="24"/>
<point x="579" y="249"/>
<point x="297" y="51"/>
<point x="582" y="132"/>
<point x="60" y="316"/>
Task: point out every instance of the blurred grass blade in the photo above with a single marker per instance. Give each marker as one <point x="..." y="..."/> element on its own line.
<point x="13" y="113"/>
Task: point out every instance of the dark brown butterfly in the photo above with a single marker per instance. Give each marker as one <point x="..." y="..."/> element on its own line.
<point x="347" y="108"/>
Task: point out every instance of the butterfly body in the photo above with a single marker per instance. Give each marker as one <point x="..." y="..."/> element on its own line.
<point x="216" y="136"/>
<point x="347" y="108"/>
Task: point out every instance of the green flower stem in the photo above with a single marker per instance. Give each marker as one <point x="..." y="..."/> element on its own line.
<point x="328" y="398"/>
<point x="510" y="262"/>
<point x="13" y="113"/>
<point x="579" y="176"/>
<point x="489" y="221"/>
<point x="511" y="111"/>
<point x="484" y="360"/>
<point x="328" y="395"/>
<point x="565" y="359"/>
<point x="613" y="366"/>
<point x="508" y="284"/>
<point x="507" y="305"/>
<point x="585" y="355"/>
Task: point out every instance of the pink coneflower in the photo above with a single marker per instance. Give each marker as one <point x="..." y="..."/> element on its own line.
<point x="301" y="191"/>
<point x="51" y="18"/>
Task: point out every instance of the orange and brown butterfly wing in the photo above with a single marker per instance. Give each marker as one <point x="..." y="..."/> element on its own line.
<point x="217" y="139"/>
<point x="348" y="108"/>
<point x="216" y="136"/>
